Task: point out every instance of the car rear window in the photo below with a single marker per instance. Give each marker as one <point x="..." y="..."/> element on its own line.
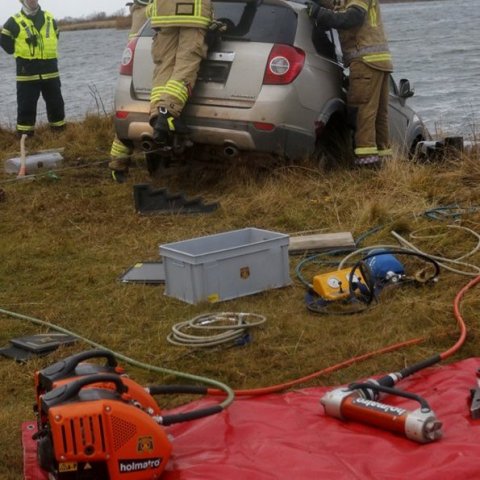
<point x="253" y="21"/>
<point x="257" y="22"/>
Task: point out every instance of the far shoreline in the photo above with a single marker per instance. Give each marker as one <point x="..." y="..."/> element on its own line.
<point x="119" y="23"/>
<point x="123" y="23"/>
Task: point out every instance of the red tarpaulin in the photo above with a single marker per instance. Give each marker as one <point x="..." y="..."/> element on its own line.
<point x="287" y="436"/>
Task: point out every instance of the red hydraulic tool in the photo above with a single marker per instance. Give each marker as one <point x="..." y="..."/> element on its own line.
<point x="358" y="402"/>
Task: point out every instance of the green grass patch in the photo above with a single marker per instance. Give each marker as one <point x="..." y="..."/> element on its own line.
<point x="65" y="241"/>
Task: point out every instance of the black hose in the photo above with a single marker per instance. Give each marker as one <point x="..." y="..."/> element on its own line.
<point x="182" y="389"/>
<point x="416" y="367"/>
<point x="193" y="415"/>
<point x="370" y="282"/>
<point x="392" y="391"/>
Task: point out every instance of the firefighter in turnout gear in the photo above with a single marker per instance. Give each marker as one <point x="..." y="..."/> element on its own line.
<point x="121" y="151"/>
<point x="178" y="48"/>
<point x="138" y="11"/>
<point x="365" y="51"/>
<point x="32" y="37"/>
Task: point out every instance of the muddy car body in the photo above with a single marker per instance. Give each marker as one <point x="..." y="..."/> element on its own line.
<point x="271" y="84"/>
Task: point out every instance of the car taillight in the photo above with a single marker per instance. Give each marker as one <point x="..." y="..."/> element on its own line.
<point x="126" y="66"/>
<point x="121" y="114"/>
<point x="265" y="127"/>
<point x="284" y="64"/>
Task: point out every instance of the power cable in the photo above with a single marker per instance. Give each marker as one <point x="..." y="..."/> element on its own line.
<point x="145" y="366"/>
<point x="443" y="261"/>
<point x="407" y="246"/>
<point x="346" y="363"/>
<point x="342" y="263"/>
<point x="224" y="389"/>
<point x="315" y="258"/>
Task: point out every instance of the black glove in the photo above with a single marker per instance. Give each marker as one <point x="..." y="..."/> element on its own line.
<point x="322" y="17"/>
<point x="312" y="10"/>
<point x="217" y="26"/>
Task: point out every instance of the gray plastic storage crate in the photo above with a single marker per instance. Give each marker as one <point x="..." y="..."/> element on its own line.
<point x="226" y="265"/>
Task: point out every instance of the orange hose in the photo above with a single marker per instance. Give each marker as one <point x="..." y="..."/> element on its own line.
<point x="333" y="368"/>
<point x="365" y="356"/>
<point x="460" y="321"/>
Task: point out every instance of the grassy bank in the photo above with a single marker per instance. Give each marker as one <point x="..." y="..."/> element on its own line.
<point x="66" y="239"/>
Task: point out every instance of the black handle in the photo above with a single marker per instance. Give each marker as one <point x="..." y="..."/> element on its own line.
<point x="72" y="362"/>
<point x="67" y="366"/>
<point x="66" y="392"/>
<point x="392" y="391"/>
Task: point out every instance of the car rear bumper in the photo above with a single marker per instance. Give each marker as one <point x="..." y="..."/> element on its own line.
<point x="236" y="135"/>
<point x="289" y="132"/>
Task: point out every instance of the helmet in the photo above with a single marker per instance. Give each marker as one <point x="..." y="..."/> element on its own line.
<point x="141" y="2"/>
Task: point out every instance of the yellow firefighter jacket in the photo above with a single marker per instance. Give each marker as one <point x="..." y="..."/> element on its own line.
<point x="368" y="42"/>
<point x="181" y="13"/>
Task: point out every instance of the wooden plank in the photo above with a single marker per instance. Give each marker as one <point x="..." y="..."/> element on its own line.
<point x="321" y="241"/>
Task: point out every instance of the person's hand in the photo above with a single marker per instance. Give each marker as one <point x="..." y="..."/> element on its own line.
<point x="321" y="16"/>
<point x="217" y="26"/>
<point x="329" y="4"/>
<point x="312" y="10"/>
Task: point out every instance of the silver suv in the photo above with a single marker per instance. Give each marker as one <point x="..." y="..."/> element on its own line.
<point x="271" y="84"/>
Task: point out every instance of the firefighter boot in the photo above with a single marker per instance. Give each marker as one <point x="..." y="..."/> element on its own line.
<point x="119" y="176"/>
<point x="369" y="161"/>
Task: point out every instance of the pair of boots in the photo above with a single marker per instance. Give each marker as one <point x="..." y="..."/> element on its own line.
<point x="166" y="127"/>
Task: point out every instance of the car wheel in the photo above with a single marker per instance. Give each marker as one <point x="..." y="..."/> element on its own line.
<point x="412" y="153"/>
<point x="334" y="145"/>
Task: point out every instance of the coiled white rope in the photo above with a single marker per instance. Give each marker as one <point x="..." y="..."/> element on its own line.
<point x="444" y="261"/>
<point x="232" y="326"/>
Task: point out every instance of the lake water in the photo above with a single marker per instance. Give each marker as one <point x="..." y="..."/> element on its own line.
<point x="88" y="61"/>
<point x="435" y="44"/>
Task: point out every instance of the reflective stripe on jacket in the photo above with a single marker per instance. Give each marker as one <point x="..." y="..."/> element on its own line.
<point x="181" y="13"/>
<point x="368" y="42"/>
<point x="139" y="17"/>
<point x="32" y="44"/>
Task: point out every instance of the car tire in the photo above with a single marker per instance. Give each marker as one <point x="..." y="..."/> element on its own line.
<point x="334" y="146"/>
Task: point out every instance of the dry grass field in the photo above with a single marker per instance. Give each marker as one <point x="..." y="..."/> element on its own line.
<point x="66" y="238"/>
